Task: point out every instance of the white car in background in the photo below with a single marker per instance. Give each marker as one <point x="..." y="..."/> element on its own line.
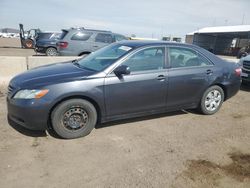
<point x="9" y="35"/>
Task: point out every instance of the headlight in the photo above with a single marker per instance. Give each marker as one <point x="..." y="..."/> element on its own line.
<point x="30" y="94"/>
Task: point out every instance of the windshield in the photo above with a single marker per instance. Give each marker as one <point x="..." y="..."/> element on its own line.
<point x="101" y="59"/>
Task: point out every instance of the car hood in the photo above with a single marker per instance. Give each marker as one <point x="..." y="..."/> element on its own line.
<point x="247" y="58"/>
<point x="50" y="74"/>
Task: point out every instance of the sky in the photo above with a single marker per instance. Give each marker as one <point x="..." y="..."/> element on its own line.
<point x="144" y="18"/>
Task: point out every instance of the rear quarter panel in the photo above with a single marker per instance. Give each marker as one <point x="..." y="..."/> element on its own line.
<point x="223" y="73"/>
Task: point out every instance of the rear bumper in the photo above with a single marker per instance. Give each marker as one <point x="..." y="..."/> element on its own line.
<point x="40" y="49"/>
<point x="31" y="114"/>
<point x="232" y="89"/>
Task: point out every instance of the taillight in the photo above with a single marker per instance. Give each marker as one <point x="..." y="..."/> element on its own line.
<point x="238" y="72"/>
<point x="62" y="44"/>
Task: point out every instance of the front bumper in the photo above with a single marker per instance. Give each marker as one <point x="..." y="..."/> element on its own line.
<point x="32" y="113"/>
<point x="245" y="75"/>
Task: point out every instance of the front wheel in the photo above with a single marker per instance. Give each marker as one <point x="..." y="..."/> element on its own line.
<point x="212" y="100"/>
<point x="74" y="118"/>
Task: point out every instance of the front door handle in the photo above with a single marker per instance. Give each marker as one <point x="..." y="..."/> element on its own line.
<point x="161" y="77"/>
<point x="209" y="72"/>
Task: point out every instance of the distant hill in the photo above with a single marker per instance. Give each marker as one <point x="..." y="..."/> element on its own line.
<point x="9" y="30"/>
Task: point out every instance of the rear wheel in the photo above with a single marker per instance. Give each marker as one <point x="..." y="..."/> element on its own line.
<point x="51" y="51"/>
<point x="74" y="118"/>
<point x="212" y="100"/>
<point x="28" y="43"/>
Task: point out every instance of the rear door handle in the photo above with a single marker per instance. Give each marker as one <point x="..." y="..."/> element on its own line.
<point x="95" y="46"/>
<point x="209" y="72"/>
<point x="161" y="77"/>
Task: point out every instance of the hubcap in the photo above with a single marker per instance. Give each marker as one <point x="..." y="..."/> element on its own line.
<point x="75" y="118"/>
<point x="213" y="100"/>
<point x="51" y="52"/>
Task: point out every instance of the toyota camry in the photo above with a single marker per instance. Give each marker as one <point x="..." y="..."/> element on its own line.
<point x="123" y="80"/>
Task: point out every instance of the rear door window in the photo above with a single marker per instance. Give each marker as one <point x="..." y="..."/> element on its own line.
<point x="55" y="36"/>
<point x="64" y="33"/>
<point x="185" y="57"/>
<point x="104" y="38"/>
<point x="82" y="36"/>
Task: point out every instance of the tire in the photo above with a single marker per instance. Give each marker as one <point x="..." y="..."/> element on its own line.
<point x="51" y="51"/>
<point x="74" y="118"/>
<point x="28" y="43"/>
<point x="212" y="100"/>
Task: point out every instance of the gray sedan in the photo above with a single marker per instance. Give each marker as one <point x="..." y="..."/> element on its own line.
<point x="123" y="80"/>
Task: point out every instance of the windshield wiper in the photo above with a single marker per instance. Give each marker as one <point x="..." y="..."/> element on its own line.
<point x="75" y="62"/>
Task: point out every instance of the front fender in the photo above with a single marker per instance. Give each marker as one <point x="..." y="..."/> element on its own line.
<point x="91" y="89"/>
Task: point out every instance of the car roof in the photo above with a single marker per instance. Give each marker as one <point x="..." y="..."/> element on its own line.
<point x="83" y="29"/>
<point x="141" y="43"/>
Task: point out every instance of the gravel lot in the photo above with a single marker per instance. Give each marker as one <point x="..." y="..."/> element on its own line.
<point x="180" y="149"/>
<point x="12" y="47"/>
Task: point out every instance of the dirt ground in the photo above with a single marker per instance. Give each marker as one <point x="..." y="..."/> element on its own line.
<point x="180" y="150"/>
<point x="177" y="150"/>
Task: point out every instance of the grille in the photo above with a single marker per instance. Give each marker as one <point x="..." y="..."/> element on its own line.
<point x="246" y="65"/>
<point x="10" y="89"/>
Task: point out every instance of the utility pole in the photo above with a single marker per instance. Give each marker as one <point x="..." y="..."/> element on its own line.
<point x="214" y="22"/>
<point x="226" y="21"/>
<point x="243" y="19"/>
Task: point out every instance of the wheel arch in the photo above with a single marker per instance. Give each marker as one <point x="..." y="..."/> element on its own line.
<point x="223" y="87"/>
<point x="51" y="47"/>
<point x="92" y="101"/>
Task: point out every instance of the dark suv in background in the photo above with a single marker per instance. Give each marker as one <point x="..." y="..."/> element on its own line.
<point x="80" y="41"/>
<point x="243" y="52"/>
<point x="46" y="43"/>
<point x="245" y="63"/>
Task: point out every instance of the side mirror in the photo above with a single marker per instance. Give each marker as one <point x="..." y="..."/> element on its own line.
<point x="122" y="70"/>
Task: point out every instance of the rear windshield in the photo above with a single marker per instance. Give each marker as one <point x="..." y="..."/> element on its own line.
<point x="48" y="36"/>
<point x="55" y="36"/>
<point x="44" y="35"/>
<point x="64" y="33"/>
